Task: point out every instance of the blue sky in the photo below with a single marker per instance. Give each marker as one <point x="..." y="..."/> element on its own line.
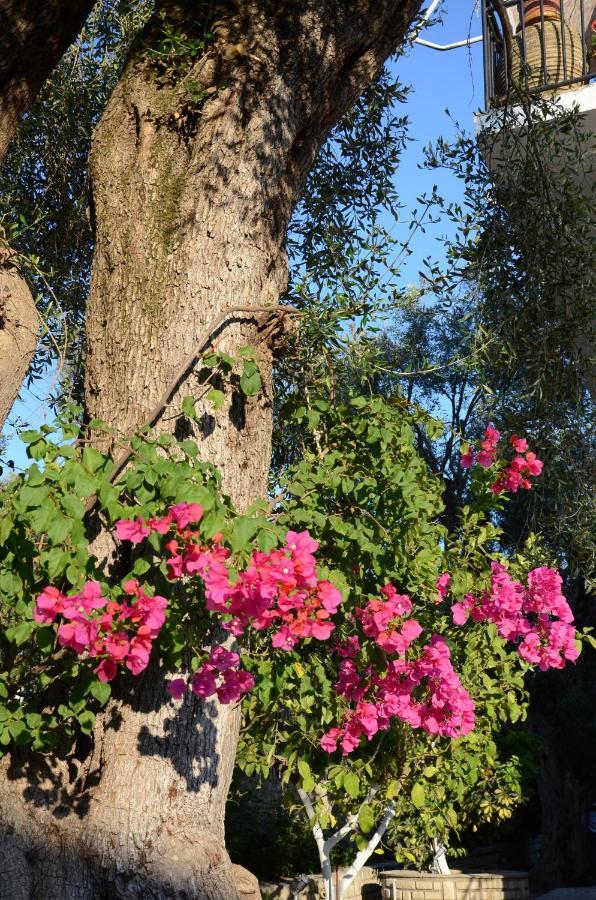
<point x="441" y="80"/>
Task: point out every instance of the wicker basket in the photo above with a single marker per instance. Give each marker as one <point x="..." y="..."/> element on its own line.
<point x="530" y="73"/>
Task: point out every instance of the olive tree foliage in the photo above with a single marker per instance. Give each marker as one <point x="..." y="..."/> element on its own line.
<point x="511" y="334"/>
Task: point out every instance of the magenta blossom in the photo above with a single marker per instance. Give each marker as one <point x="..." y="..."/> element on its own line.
<point x="133" y="530"/>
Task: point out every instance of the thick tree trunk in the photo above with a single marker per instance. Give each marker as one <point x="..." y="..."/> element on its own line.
<point x="18" y="331"/>
<point x="192" y="199"/>
<point x="33" y="36"/>
<point x="565" y="852"/>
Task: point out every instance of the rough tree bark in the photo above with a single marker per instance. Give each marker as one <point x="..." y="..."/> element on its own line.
<point x="33" y="36"/>
<point x="192" y="200"/>
<point x="18" y="330"/>
<point x="565" y="852"/>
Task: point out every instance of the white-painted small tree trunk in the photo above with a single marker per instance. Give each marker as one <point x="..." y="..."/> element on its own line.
<point x="439" y="863"/>
<point x="325" y="845"/>
<point x="364" y="855"/>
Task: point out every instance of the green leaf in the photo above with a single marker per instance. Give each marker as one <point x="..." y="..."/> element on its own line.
<point x="34" y="476"/>
<point x="101" y="691"/>
<point x="20" y="633"/>
<point x="188" y="408"/>
<point x="92" y="459"/>
<point x="361" y="842"/>
<point x="58" y="528"/>
<point x="352" y="784"/>
<point x="31" y="497"/>
<point x="72" y="506"/>
<point x="57" y="561"/>
<point x="45" y="638"/>
<point x="86" y="720"/>
<point x="366" y="818"/>
<point x="16" y="728"/>
<point x="84" y="483"/>
<point x="418" y="795"/>
<point x="392" y="789"/>
<point x="216" y="398"/>
<point x="243" y="530"/>
<point x="303" y="769"/>
<point x="308" y="784"/>
<point x="250" y="380"/>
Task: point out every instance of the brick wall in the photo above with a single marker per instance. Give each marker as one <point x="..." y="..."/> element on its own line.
<point x="404" y="885"/>
<point x="371" y="884"/>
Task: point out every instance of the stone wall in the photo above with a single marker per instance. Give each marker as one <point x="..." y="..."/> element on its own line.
<point x="365" y="886"/>
<point x="373" y="884"/>
<point x="405" y="885"/>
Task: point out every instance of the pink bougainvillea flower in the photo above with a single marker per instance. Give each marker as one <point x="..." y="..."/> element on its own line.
<point x="137" y="658"/>
<point x="485" y="458"/>
<point x="234" y="685"/>
<point x="185" y="513"/>
<point x="533" y="464"/>
<point x="161" y="525"/>
<point x="442" y="585"/>
<point x="491" y="437"/>
<point x="87" y="600"/>
<point x="329" y="596"/>
<point x="78" y="634"/>
<point x="133" y="530"/>
<point x="117" y="645"/>
<point x="106" y="670"/>
<point x="467" y="459"/>
<point x="177" y="688"/>
<point x="223" y="659"/>
<point x="204" y="681"/>
<point x="284" y="639"/>
<point x="300" y="543"/>
<point x="459" y="613"/>
<point x="49" y="604"/>
<point x="520" y="445"/>
<point x="329" y="740"/>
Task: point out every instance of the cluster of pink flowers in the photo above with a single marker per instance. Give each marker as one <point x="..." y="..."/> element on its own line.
<point x="537" y="617"/>
<point x="516" y="474"/>
<point x="220" y="674"/>
<point x="425" y="692"/>
<point x="487" y="453"/>
<point x="278" y="590"/>
<point x="136" y="530"/>
<point x="111" y="631"/>
<point x="380" y="620"/>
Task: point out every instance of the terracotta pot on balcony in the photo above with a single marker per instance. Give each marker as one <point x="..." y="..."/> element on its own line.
<point x="592" y="48"/>
<point x="552" y="10"/>
<point x="563" y="48"/>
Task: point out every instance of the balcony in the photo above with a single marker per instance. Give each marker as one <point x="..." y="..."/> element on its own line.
<point x="537" y="47"/>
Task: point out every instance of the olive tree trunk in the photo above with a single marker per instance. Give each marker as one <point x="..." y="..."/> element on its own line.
<point x="196" y="166"/>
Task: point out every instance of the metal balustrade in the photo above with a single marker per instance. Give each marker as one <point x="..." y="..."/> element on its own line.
<point x="535" y="46"/>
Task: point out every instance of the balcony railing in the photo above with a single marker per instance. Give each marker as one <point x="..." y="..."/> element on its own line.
<point x="536" y="46"/>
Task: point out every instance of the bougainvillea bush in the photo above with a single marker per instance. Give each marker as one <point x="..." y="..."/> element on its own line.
<point x="378" y="654"/>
